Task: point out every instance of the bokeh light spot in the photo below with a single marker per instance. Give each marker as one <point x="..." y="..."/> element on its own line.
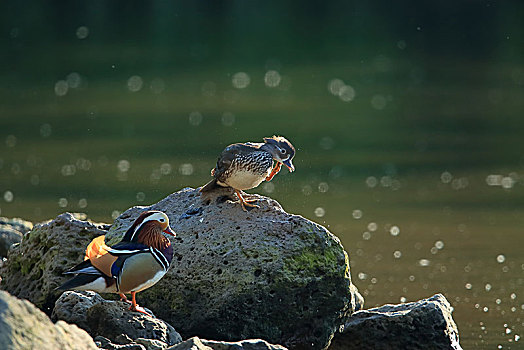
<point x="186" y="169"/>
<point x="61" y="88"/>
<point x="195" y="118"/>
<point x="241" y="80"/>
<point x="135" y="83"/>
<point x="320" y="212"/>
<point x="82" y="32"/>
<point x="228" y="119"/>
<point x="272" y="78"/>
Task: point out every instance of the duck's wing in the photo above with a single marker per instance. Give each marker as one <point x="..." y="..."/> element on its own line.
<point x="228" y="155"/>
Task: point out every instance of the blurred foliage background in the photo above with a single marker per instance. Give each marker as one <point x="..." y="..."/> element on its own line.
<point x="407" y="117"/>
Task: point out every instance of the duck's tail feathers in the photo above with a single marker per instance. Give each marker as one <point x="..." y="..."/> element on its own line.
<point x="79" y="281"/>
<point x="210" y="186"/>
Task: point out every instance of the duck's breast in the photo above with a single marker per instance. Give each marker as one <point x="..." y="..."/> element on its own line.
<point x="140" y="272"/>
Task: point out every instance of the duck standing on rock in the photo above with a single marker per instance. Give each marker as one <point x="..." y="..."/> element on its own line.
<point x="243" y="166"/>
<point x="136" y="263"/>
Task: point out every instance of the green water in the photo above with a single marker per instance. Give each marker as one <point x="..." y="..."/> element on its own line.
<point x="417" y="166"/>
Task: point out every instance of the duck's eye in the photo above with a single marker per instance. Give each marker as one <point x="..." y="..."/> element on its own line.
<point x="162" y="220"/>
<point x="283" y="151"/>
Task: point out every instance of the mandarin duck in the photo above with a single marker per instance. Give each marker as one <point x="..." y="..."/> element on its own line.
<point x="243" y="166"/>
<point x="136" y="263"/>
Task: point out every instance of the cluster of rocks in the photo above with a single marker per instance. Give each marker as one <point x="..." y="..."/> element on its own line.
<point x="265" y="274"/>
<point x="11" y="232"/>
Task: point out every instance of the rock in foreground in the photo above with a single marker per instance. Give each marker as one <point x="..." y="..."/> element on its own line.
<point x="112" y="320"/>
<point x="23" y="326"/>
<point x="425" y="324"/>
<point x="196" y="343"/>
<point x="240" y="275"/>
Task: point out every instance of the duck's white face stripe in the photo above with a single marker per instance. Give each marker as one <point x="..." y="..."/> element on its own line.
<point x="158" y="216"/>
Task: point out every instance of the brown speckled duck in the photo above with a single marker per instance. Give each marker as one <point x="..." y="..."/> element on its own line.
<point x="243" y="166"/>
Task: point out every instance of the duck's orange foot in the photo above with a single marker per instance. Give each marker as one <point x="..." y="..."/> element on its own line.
<point x="246" y="206"/>
<point x="134" y="306"/>
<point x="124" y="298"/>
<point x="140" y="309"/>
<point x="245" y="203"/>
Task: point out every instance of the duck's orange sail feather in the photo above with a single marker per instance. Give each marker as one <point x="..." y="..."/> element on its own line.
<point x="96" y="248"/>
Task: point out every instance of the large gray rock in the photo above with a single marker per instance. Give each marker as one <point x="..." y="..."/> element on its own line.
<point x="423" y="325"/>
<point x="23" y="326"/>
<point x="196" y="343"/>
<point x="11" y="232"/>
<point x="240" y="275"/>
<point x="113" y="320"/>
<point x="34" y="267"/>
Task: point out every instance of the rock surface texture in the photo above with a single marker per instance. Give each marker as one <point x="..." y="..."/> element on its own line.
<point x="11" y="232"/>
<point x="240" y="275"/>
<point x="196" y="343"/>
<point x="112" y="319"/>
<point x="34" y="267"/>
<point x="72" y="307"/>
<point x="23" y="326"/>
<point x="426" y="324"/>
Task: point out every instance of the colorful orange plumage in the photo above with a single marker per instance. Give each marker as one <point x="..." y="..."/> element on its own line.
<point x="96" y="248"/>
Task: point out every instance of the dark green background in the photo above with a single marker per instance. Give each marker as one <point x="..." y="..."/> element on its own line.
<point x="438" y="108"/>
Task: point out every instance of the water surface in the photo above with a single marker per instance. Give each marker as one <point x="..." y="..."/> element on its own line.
<point x="409" y="146"/>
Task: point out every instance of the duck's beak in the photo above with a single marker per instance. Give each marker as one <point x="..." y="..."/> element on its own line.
<point x="170" y="231"/>
<point x="289" y="165"/>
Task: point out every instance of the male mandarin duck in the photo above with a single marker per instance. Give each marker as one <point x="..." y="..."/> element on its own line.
<point x="136" y="263"/>
<point x="243" y="166"/>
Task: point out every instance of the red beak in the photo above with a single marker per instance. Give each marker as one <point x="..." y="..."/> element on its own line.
<point x="169" y="231"/>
